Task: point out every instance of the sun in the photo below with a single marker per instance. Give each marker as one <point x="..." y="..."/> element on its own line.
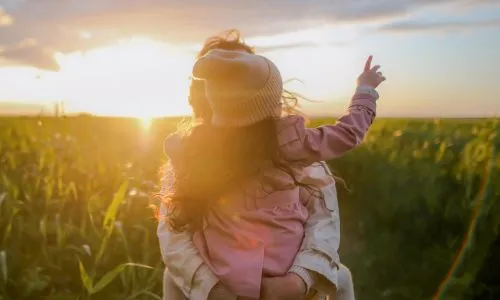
<point x="145" y="122"/>
<point x="133" y="77"/>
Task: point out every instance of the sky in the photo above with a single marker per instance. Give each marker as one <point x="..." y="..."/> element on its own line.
<point x="134" y="57"/>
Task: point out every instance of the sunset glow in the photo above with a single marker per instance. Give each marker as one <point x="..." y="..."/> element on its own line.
<point x="144" y="78"/>
<point x="136" y="77"/>
<point x="145" y="122"/>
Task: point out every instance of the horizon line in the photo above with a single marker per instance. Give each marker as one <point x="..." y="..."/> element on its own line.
<point x="313" y="115"/>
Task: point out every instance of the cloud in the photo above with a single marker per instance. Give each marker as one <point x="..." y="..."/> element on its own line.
<point x="57" y="26"/>
<point x="29" y="53"/>
<point x="5" y="19"/>
<point x="304" y="44"/>
<point x="411" y="26"/>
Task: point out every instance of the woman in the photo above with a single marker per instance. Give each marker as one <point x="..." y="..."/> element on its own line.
<point x="316" y="270"/>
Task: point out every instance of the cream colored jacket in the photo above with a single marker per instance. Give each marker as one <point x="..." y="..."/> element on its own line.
<point x="318" y="253"/>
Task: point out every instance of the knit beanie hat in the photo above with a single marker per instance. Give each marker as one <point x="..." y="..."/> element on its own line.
<point x="241" y="88"/>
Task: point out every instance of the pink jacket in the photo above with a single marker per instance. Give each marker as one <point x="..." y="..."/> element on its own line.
<point x="246" y="237"/>
<point x="317" y="263"/>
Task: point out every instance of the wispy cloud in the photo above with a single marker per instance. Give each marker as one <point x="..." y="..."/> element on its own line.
<point x="441" y="26"/>
<point x="29" y="53"/>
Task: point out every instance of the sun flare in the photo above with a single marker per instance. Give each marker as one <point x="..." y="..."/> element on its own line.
<point x="145" y="122"/>
<point x="133" y="77"/>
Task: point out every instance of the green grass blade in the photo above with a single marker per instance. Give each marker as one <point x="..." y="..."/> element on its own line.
<point x="108" y="277"/>
<point x="85" y="278"/>
<point x="110" y="217"/>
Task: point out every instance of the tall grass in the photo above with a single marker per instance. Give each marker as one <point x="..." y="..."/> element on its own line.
<point x="75" y="222"/>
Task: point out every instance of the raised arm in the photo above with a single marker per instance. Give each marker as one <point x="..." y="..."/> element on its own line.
<point x="332" y="141"/>
<point x="309" y="145"/>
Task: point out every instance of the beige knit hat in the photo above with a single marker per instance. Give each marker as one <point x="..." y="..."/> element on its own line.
<point x="242" y="88"/>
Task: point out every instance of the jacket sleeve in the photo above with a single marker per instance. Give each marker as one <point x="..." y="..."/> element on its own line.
<point x="309" y="145"/>
<point x="185" y="265"/>
<point x="319" y="250"/>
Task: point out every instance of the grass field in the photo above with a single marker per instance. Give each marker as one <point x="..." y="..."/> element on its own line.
<point x="75" y="221"/>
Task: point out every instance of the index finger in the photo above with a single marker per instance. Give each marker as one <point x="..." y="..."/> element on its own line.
<point x="368" y="63"/>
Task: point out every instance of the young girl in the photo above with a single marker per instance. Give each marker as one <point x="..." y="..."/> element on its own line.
<point x="237" y="180"/>
<point x="316" y="271"/>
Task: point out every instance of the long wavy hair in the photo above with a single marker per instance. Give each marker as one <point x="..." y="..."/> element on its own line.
<point x="215" y="161"/>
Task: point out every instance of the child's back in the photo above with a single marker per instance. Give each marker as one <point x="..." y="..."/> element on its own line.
<point x="257" y="228"/>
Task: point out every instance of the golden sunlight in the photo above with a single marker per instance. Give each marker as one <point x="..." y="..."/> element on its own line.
<point x="134" y="77"/>
<point x="145" y="122"/>
<point x="144" y="78"/>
